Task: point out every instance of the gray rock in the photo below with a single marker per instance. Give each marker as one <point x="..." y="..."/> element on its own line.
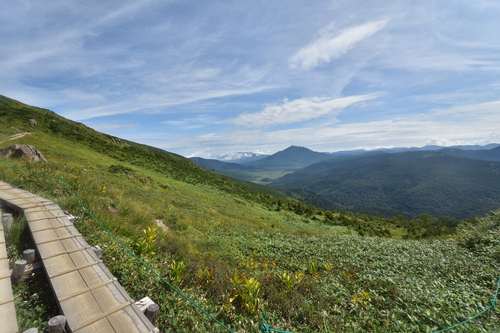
<point x="27" y="152"/>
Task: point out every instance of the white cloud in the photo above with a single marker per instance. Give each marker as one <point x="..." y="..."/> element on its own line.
<point x="329" y="46"/>
<point x="298" y="110"/>
<point x="491" y="108"/>
<point x="112" y="126"/>
<point x="148" y="103"/>
<point x="468" y="124"/>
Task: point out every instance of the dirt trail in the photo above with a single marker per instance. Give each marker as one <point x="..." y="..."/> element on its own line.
<point x="16" y="136"/>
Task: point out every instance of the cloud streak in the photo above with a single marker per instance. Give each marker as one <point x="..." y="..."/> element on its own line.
<point x="300" y="110"/>
<point x="330" y="46"/>
<point x="147" y="103"/>
<point x="469" y="124"/>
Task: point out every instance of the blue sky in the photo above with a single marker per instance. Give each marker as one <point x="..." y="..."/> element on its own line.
<point x="212" y="77"/>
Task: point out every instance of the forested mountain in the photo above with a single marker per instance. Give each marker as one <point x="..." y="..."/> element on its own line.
<point x="291" y="158"/>
<point x="482" y="154"/>
<point x="409" y="183"/>
<point x="263" y="169"/>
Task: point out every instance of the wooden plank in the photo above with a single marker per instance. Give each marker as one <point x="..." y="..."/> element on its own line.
<point x="80" y="309"/>
<point x="4" y="268"/>
<point x="3" y="252"/>
<point x="7" y="307"/>
<point x="8" y="315"/>
<point x="100" y="326"/>
<point x="127" y="321"/>
<point x="90" y="297"/>
<point x="6" y="294"/>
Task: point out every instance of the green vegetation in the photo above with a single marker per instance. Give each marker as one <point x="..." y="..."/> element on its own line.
<point x="240" y="250"/>
<point x="33" y="300"/>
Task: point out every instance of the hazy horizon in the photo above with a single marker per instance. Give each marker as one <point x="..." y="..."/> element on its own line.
<point x="216" y="156"/>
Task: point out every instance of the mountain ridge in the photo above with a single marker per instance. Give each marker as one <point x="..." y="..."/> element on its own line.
<point x="290" y="158"/>
<point x="408" y="183"/>
<point x="230" y="157"/>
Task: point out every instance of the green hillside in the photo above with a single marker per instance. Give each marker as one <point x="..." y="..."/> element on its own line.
<point x="204" y="246"/>
<point x="410" y="183"/>
<point x="492" y="154"/>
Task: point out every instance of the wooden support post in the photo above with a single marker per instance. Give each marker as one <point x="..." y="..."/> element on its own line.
<point x="152" y="312"/>
<point x="18" y="271"/>
<point x="29" y="255"/>
<point x="57" y="324"/>
<point x="7" y="220"/>
<point x="31" y="330"/>
<point x="98" y="251"/>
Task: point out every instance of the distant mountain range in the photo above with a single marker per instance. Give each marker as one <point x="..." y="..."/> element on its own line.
<point x="408" y="183"/>
<point x="459" y="181"/>
<point x="259" y="166"/>
<point x="479" y="154"/>
<point x="264" y="168"/>
<point x="295" y="153"/>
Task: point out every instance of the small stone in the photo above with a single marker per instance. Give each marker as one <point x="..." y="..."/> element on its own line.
<point x="112" y="209"/>
<point x="159" y="223"/>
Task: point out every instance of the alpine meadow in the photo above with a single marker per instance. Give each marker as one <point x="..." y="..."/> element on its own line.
<point x="240" y="166"/>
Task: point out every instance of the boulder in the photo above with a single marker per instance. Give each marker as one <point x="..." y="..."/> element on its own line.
<point x="27" y="152"/>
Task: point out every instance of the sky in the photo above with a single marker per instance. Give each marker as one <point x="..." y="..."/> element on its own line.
<point x="203" y="78"/>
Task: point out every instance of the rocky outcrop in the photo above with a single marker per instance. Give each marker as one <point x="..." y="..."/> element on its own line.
<point x="26" y="152"/>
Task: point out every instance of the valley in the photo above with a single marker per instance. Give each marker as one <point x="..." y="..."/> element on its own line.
<point x="454" y="182"/>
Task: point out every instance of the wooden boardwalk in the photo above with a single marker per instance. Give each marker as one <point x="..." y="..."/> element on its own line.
<point x="7" y="308"/>
<point x="89" y="296"/>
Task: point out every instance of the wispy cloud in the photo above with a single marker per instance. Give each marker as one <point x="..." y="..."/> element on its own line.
<point x="470" y="124"/>
<point x="299" y="110"/>
<point x="330" y="45"/>
<point x="111" y="127"/>
<point x="139" y="71"/>
<point x="151" y="103"/>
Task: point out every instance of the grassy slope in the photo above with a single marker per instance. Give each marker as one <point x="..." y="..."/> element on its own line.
<point x="226" y="234"/>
